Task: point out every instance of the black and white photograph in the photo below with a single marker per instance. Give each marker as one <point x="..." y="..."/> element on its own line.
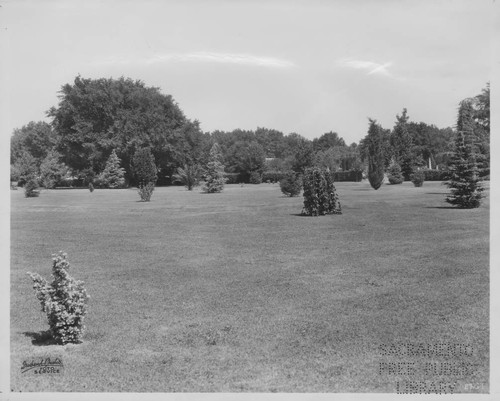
<point x="248" y="198"/>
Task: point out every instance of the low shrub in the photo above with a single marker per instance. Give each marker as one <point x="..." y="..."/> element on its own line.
<point x="146" y="191"/>
<point x="64" y="301"/>
<point x="418" y="178"/>
<point x="394" y="174"/>
<point x="273" y="176"/>
<point x="255" y="177"/>
<point x="291" y="184"/>
<point x="320" y="196"/>
<point x="31" y="188"/>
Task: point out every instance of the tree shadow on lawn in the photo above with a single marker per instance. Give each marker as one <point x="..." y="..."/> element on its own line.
<point x="41" y="338"/>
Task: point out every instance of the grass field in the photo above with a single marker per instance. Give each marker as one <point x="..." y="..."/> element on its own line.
<point x="236" y="292"/>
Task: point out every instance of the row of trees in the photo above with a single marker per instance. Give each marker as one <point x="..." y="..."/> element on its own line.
<point x="99" y="119"/>
<point x="468" y="161"/>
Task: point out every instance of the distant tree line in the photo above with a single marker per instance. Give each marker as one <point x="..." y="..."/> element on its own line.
<point x="100" y="124"/>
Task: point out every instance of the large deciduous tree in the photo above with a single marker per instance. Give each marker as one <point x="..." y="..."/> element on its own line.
<point x="298" y="152"/>
<point x="35" y="138"/>
<point x="246" y="158"/>
<point x="95" y="116"/>
<point x="328" y="140"/>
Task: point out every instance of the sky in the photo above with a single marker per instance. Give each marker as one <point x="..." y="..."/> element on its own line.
<point x="308" y="67"/>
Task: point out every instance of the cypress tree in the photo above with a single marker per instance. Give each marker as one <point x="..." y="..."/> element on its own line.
<point x="465" y="185"/>
<point x="376" y="158"/>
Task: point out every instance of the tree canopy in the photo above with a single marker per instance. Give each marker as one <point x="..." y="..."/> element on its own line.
<point x="95" y="116"/>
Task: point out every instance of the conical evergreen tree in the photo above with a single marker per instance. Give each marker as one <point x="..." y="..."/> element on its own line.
<point x="113" y="176"/>
<point x="466" y="188"/>
<point x="403" y="146"/>
<point x="376" y="159"/>
<point x="214" y="171"/>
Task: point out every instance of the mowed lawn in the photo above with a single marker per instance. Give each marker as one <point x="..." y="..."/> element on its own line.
<point x="236" y="292"/>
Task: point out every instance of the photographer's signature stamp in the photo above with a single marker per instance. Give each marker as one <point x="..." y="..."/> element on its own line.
<point x="44" y="365"/>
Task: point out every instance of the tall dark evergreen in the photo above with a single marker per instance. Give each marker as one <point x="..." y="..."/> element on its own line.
<point x="465" y="185"/>
<point x="374" y="143"/>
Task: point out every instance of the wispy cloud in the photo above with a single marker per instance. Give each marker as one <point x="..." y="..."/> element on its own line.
<point x="370" y="67"/>
<point x="208" y="57"/>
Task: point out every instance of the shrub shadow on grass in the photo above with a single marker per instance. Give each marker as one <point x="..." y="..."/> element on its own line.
<point x="446" y="207"/>
<point x="306" y="215"/>
<point x="41" y="338"/>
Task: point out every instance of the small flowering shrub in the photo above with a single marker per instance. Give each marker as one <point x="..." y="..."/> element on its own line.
<point x="64" y="301"/>
<point x="418" y="178"/>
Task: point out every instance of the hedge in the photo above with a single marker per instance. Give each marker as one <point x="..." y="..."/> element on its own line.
<point x="273" y="176"/>
<point x="233" y="178"/>
<point x="350" y="175"/>
<point x="435" y="175"/>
